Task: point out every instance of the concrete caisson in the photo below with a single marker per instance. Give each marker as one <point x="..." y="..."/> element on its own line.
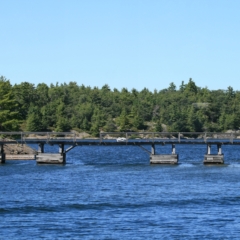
<point x="48" y="158"/>
<point x="51" y="158"/>
<point x="213" y="158"/>
<point x="163" y="158"/>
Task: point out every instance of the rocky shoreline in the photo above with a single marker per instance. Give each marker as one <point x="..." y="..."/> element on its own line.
<point x="18" y="149"/>
<point x="19" y="152"/>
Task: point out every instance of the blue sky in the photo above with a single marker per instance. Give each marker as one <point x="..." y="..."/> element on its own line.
<point x="131" y="44"/>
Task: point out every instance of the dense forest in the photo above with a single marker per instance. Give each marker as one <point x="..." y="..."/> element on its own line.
<point x="65" y="107"/>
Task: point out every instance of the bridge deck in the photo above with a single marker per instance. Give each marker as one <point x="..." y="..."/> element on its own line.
<point x="97" y="142"/>
<point x="132" y="138"/>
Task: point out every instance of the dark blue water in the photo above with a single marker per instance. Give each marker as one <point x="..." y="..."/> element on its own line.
<point x="114" y="193"/>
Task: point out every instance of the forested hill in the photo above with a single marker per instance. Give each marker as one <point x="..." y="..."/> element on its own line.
<point x="66" y="107"/>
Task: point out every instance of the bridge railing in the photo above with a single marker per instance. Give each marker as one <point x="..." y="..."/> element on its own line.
<point x="126" y="136"/>
<point x="171" y="136"/>
<point x="46" y="136"/>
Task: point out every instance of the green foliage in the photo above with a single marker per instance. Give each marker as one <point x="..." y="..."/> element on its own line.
<point x="62" y="125"/>
<point x="34" y="120"/>
<point x="158" y="127"/>
<point x="25" y="94"/>
<point x="123" y="121"/>
<point x="63" y="107"/>
<point x="9" y="109"/>
<point x="172" y="87"/>
<point x="110" y="125"/>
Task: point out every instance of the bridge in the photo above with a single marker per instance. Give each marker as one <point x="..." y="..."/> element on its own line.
<point x="140" y="139"/>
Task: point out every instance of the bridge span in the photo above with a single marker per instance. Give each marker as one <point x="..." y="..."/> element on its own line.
<point x="140" y="139"/>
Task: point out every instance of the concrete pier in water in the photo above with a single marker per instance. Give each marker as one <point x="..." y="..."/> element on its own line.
<point x="213" y="158"/>
<point x="164" y="158"/>
<point x="51" y="158"/>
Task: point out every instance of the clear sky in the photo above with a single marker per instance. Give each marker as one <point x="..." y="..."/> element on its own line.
<point x="122" y="43"/>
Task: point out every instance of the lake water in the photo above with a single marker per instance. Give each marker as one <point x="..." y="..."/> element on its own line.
<point x="114" y="193"/>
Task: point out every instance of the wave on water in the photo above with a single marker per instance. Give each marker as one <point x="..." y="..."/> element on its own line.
<point x="198" y="201"/>
<point x="234" y="165"/>
<point x="186" y="165"/>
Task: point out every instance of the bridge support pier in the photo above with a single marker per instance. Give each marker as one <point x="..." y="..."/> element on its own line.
<point x="51" y="158"/>
<point x="2" y="154"/>
<point x="213" y="158"/>
<point x="164" y="158"/>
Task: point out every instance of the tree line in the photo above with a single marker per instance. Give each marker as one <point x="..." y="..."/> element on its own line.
<point x="65" y="107"/>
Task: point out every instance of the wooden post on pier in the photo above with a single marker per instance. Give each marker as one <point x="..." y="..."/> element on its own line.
<point x="208" y="149"/>
<point x="2" y="154"/>
<point x="173" y="149"/>
<point x="62" y="153"/>
<point x="219" y="146"/>
<point x="61" y="148"/>
<point x="41" y="148"/>
<point x="153" y="149"/>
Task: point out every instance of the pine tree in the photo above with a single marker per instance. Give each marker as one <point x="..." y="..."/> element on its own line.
<point x="158" y="127"/>
<point x="9" y="117"/>
<point x="34" y="119"/>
